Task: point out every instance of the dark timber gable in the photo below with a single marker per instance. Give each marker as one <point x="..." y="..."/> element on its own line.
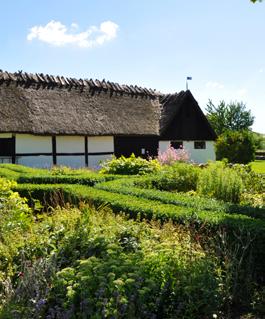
<point x="184" y="119"/>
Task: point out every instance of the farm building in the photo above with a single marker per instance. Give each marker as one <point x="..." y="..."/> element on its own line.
<point x="50" y="120"/>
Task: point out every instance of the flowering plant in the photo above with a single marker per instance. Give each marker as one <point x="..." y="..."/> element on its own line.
<point x="171" y="155"/>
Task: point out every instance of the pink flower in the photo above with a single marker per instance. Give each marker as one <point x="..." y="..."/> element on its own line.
<point x="171" y="155"/>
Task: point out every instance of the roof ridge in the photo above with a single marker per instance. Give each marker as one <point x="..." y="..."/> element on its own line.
<point x="47" y="80"/>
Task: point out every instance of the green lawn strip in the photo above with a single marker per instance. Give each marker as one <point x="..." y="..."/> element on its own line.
<point x="258" y="166"/>
<point x="180" y="199"/>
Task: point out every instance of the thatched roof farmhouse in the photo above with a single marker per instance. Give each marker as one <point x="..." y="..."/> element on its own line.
<point x="47" y="120"/>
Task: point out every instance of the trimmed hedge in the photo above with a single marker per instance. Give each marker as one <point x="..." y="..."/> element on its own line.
<point x="8" y="174"/>
<point x="26" y="175"/>
<point x="134" y="205"/>
<point x="86" y="179"/>
<point x="204" y="221"/>
<point x="127" y="187"/>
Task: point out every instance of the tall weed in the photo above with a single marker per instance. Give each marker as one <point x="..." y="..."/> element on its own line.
<point x="220" y="182"/>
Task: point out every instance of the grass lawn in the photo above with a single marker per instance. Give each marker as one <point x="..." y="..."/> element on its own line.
<point x="258" y="166"/>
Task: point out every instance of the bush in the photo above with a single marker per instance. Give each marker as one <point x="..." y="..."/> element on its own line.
<point x="220" y="182"/>
<point x="236" y="147"/>
<point x="189" y="199"/>
<point x="180" y="177"/>
<point x="129" y="166"/>
<point x="131" y="270"/>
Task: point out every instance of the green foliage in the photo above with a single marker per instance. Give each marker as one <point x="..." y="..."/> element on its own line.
<point x="253" y="182"/>
<point x="259" y="140"/>
<point x="108" y="266"/>
<point x="15" y="218"/>
<point x="72" y="263"/>
<point x="190" y="199"/>
<point x="221" y="183"/>
<point x="232" y="116"/>
<point x="180" y="177"/>
<point x="236" y="147"/>
<point x="129" y="166"/>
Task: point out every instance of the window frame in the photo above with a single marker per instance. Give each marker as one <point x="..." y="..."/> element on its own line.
<point x="178" y="142"/>
<point x="199" y="145"/>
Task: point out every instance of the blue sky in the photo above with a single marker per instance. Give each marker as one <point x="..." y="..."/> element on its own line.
<point x="151" y="43"/>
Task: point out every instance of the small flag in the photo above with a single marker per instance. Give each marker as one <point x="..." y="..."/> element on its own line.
<point x="189" y="78"/>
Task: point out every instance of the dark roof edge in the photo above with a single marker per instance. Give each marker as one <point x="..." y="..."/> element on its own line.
<point x="207" y="123"/>
<point x="49" y="81"/>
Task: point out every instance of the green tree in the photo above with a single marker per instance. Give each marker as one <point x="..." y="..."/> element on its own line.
<point x="236" y="146"/>
<point x="232" y="116"/>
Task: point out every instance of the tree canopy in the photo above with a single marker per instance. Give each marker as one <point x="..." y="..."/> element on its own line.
<point x="236" y="147"/>
<point x="233" y="116"/>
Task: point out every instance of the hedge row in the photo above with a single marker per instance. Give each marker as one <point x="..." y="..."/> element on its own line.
<point x="8" y="174"/>
<point x="126" y="186"/>
<point x="135" y="205"/>
<point x="26" y="175"/>
<point x="205" y="221"/>
<point x="86" y="179"/>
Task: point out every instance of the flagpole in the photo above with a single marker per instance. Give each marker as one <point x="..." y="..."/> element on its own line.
<point x="187" y="79"/>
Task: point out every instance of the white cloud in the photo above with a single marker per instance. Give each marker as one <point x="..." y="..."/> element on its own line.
<point x="57" y="34"/>
<point x="214" y="85"/>
<point x="261" y="70"/>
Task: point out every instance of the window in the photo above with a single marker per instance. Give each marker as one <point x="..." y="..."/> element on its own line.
<point x="199" y="145"/>
<point x="176" y="144"/>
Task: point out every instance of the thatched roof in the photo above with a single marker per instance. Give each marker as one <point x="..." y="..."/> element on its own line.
<point x="181" y="118"/>
<point x="44" y="104"/>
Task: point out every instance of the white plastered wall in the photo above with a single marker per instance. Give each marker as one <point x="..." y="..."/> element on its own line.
<point x="195" y="155"/>
<point x="97" y="144"/>
<point x="26" y="143"/>
<point x="41" y="161"/>
<point x="74" y="161"/>
<point x="70" y="144"/>
<point x="33" y="144"/>
<point x="163" y="146"/>
<point x="200" y="155"/>
<point x="95" y="160"/>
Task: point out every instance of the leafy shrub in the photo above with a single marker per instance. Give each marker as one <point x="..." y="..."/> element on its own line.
<point x="255" y="200"/>
<point x="236" y="146"/>
<point x="15" y="219"/>
<point x="131" y="270"/>
<point x="84" y="179"/>
<point x="220" y="182"/>
<point x="189" y="199"/>
<point x="253" y="182"/>
<point x="180" y="177"/>
<point x="172" y="155"/>
<point x="129" y="166"/>
<point x="65" y="170"/>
